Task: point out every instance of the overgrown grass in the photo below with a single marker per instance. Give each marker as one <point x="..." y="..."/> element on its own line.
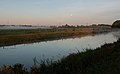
<point x="103" y="60"/>
<point x="13" y="37"/>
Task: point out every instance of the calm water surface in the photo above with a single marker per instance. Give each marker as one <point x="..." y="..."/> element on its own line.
<point x="55" y="50"/>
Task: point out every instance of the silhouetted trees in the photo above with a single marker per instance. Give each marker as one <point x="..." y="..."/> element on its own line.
<point x="116" y="24"/>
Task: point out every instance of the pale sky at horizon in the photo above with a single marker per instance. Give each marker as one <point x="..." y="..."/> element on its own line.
<point x="59" y="12"/>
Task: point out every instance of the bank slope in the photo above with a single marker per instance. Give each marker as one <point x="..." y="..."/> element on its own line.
<point x="103" y="60"/>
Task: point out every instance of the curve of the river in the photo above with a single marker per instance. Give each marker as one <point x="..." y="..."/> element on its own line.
<point x="54" y="50"/>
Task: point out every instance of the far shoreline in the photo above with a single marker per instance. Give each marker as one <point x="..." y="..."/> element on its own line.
<point x="39" y="36"/>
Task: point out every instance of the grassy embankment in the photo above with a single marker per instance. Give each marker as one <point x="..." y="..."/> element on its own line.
<point x="13" y="37"/>
<point x="103" y="60"/>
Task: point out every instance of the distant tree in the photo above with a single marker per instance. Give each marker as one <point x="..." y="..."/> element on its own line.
<point x="116" y="24"/>
<point x="67" y="26"/>
<point x="78" y="26"/>
<point x="93" y="25"/>
<point x="103" y="25"/>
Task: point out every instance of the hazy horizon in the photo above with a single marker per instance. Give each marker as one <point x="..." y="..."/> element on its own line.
<point x="59" y="12"/>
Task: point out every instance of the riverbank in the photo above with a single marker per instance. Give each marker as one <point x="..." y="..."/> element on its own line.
<point x="14" y="37"/>
<point x="102" y="60"/>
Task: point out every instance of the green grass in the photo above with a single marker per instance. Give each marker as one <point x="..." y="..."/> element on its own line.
<point x="102" y="60"/>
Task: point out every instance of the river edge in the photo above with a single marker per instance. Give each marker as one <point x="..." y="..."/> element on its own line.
<point x="104" y="59"/>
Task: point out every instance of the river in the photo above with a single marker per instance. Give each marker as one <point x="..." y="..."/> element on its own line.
<point x="54" y="50"/>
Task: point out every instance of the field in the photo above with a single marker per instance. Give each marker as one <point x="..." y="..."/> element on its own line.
<point x="22" y="36"/>
<point x="13" y="37"/>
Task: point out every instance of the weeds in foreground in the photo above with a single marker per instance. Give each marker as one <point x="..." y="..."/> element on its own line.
<point x="102" y="60"/>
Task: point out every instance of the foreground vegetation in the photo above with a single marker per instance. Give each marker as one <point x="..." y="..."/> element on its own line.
<point x="102" y="60"/>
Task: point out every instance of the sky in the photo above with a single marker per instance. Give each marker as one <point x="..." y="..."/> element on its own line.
<point x="59" y="12"/>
